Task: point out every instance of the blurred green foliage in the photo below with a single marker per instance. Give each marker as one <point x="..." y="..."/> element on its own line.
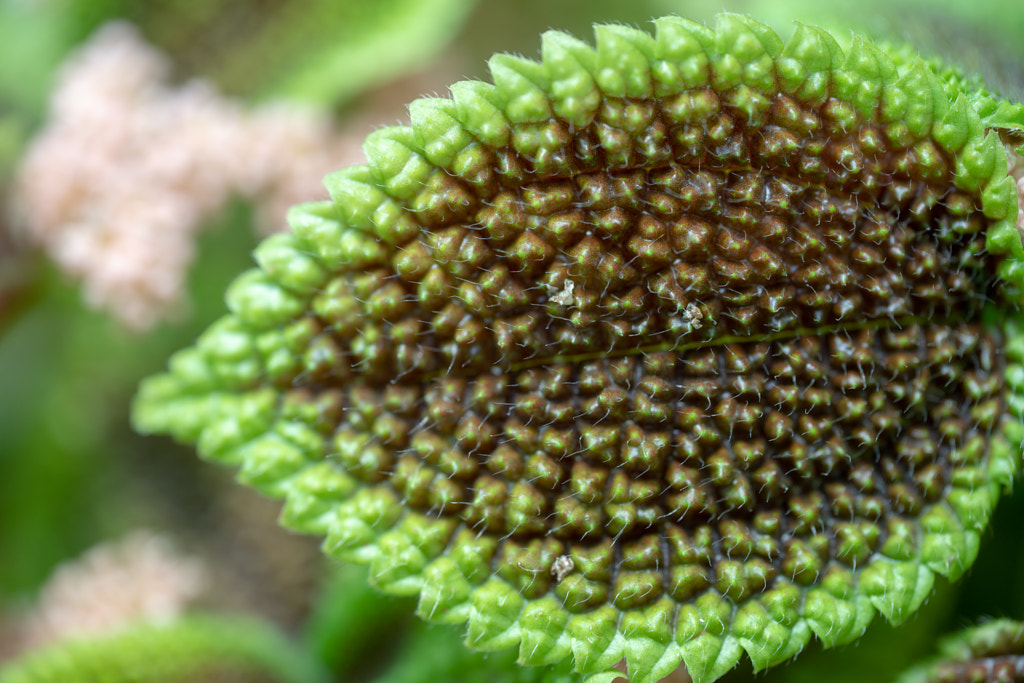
<point x="72" y="473"/>
<point x="191" y="649"/>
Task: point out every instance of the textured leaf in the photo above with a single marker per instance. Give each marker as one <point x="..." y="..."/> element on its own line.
<point x="988" y="653"/>
<point x="662" y="351"/>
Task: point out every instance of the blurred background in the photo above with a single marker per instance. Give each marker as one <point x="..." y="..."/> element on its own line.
<point x="145" y="147"/>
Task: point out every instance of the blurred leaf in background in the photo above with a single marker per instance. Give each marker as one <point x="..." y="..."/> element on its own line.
<point x="197" y="648"/>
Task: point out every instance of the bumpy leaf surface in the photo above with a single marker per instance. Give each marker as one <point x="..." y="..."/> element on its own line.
<point x="675" y="348"/>
<point x="990" y="653"/>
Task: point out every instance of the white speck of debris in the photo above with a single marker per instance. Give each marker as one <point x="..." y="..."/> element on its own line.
<point x="565" y="297"/>
<point x="692" y="317"/>
<point x="562" y="567"/>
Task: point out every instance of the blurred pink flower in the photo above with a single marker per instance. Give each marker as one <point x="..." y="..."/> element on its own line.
<point x="1016" y="170"/>
<point x="1020" y="205"/>
<point x="139" y="578"/>
<point x="129" y="168"/>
